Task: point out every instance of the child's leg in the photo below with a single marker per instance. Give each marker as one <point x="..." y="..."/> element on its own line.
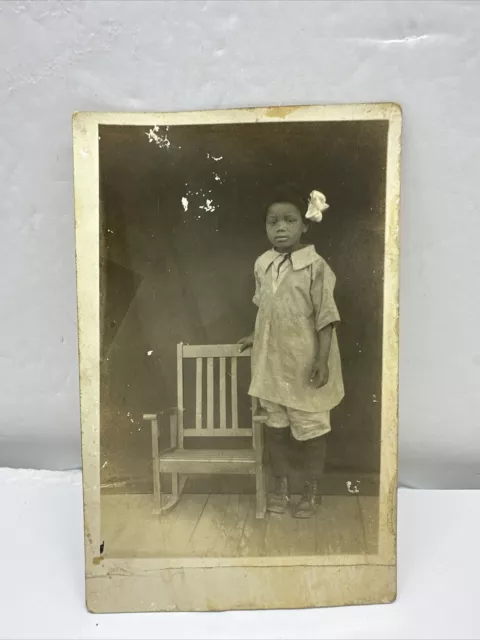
<point x="277" y="431"/>
<point x="314" y="457"/>
<point x="277" y="439"/>
<point x="310" y="431"/>
<point x="313" y="466"/>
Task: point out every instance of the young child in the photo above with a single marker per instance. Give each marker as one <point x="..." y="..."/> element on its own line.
<point x="296" y="369"/>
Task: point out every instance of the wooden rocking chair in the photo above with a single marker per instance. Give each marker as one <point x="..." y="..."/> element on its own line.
<point x="179" y="461"/>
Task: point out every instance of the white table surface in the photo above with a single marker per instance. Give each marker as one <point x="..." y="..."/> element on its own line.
<point x="42" y="584"/>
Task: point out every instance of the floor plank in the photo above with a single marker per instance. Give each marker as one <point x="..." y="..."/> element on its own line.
<point x="220" y="527"/>
<point x="120" y="515"/>
<point x="184" y="517"/>
<point x="369" y="514"/>
<point x="252" y="541"/>
<point x="304" y="538"/>
<point x="289" y="536"/>
<point x="338" y="527"/>
<point x="280" y="534"/>
<point x="145" y="534"/>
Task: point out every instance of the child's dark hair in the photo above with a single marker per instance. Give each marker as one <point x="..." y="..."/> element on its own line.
<point x="288" y="192"/>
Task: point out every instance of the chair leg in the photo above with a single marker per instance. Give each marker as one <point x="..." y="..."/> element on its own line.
<point x="157" y="491"/>
<point x="175" y="485"/>
<point x="157" y="488"/>
<point x="261" y="493"/>
<point x="260" y="474"/>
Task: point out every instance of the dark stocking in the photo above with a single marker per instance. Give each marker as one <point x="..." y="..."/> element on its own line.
<point x="313" y="454"/>
<point x="278" y="447"/>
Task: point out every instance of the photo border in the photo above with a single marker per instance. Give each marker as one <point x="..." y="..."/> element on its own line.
<point x="198" y="584"/>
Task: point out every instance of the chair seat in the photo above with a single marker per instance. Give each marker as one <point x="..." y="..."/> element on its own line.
<point x="217" y="431"/>
<point x="228" y="461"/>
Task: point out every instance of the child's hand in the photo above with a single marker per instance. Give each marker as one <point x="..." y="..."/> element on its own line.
<point x="320" y="375"/>
<point x="245" y="343"/>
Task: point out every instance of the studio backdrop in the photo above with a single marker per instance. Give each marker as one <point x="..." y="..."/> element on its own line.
<point x="182" y="222"/>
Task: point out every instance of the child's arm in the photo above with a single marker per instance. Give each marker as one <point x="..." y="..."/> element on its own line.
<point x="320" y="372"/>
<point x="246" y="343"/>
<point x="326" y="316"/>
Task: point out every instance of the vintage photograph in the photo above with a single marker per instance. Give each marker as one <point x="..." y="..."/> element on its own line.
<point x="238" y="311"/>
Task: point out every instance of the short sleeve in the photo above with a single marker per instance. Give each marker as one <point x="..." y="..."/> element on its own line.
<point x="256" y="297"/>
<point x="322" y="288"/>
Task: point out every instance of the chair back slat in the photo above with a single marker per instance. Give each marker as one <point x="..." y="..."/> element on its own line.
<point x="180" y="394"/>
<point x="220" y="381"/>
<point x="223" y="394"/>
<point x="199" y="395"/>
<point x="234" y="393"/>
<point x="210" y="394"/>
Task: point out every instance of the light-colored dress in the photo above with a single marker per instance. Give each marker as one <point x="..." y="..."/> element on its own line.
<point x="294" y="304"/>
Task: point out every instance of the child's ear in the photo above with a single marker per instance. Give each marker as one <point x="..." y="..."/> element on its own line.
<point x="305" y="227"/>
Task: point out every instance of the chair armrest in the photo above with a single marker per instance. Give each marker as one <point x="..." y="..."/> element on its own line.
<point x="155" y="416"/>
<point x="154" y="419"/>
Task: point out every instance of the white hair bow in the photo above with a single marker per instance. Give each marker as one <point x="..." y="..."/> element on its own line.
<point x="316" y="206"/>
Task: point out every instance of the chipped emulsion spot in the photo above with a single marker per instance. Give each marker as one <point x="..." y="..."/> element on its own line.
<point x="161" y="140"/>
<point x="149" y="353"/>
<point x="209" y="206"/>
<point x="216" y="176"/>
<point x="353" y="488"/>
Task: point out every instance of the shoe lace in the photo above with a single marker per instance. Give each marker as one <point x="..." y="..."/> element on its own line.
<point x="309" y="490"/>
<point x="280" y="486"/>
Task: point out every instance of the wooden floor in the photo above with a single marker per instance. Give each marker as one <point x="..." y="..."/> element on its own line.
<point x="225" y="526"/>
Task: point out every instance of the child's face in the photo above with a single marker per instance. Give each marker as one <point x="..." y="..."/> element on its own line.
<point x="285" y="226"/>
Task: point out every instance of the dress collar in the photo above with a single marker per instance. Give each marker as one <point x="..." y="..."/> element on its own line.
<point x="300" y="259"/>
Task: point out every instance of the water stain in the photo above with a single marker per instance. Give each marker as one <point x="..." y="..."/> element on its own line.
<point x="279" y="112"/>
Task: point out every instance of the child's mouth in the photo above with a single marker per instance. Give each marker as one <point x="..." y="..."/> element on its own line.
<point x="281" y="239"/>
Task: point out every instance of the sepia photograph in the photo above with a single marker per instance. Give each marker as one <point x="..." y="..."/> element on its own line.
<point x="238" y="325"/>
